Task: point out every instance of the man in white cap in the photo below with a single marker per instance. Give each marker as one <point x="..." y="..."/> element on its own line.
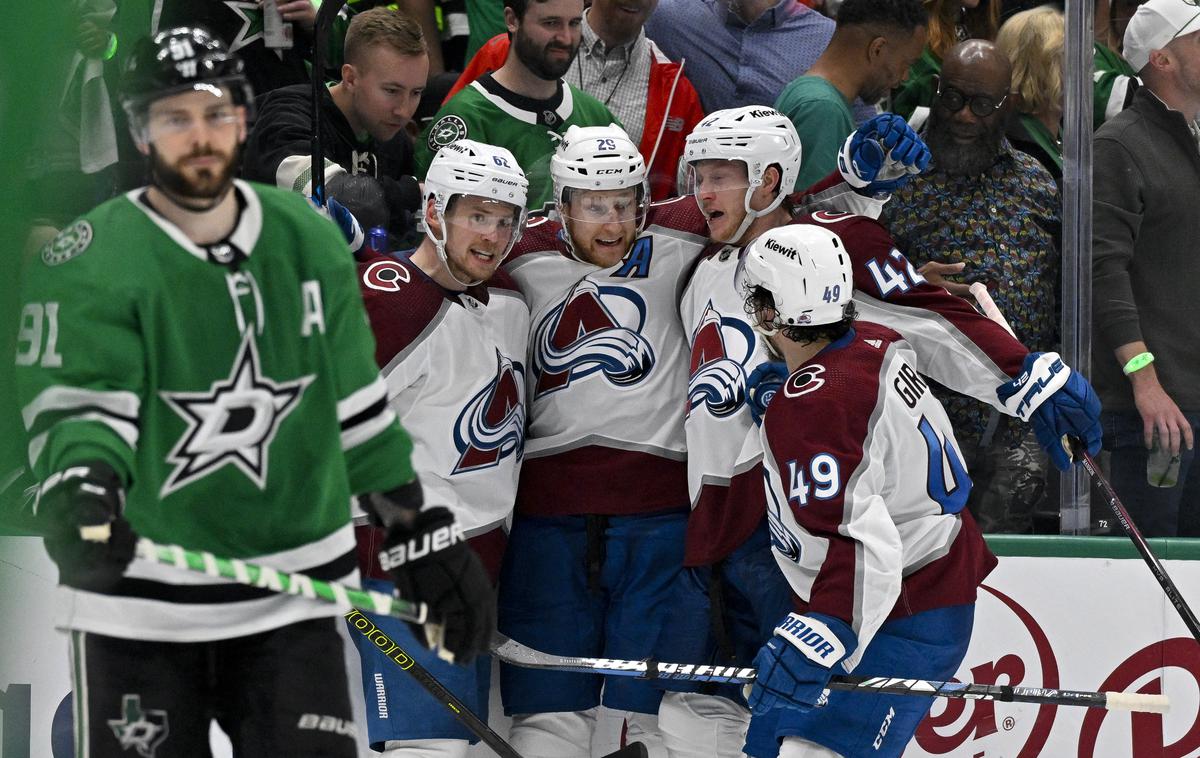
<point x="1147" y="170"/>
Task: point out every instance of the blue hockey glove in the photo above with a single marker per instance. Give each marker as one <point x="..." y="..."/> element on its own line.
<point x="346" y="223"/>
<point x="1058" y="402"/>
<point x="882" y="155"/>
<point x="86" y="498"/>
<point x="761" y="386"/>
<point x="795" y="665"/>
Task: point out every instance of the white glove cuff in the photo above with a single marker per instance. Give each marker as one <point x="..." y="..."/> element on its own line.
<point x="1046" y="376"/>
<point x="813" y="638"/>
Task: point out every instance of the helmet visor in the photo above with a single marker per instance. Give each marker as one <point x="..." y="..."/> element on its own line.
<point x="604" y="206"/>
<point x="713" y="176"/>
<point x="216" y="105"/>
<point x="479" y="219"/>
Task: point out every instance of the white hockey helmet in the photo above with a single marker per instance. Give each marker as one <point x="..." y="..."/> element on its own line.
<point x="806" y="269"/>
<point x="599" y="158"/>
<point x="759" y="137"/>
<point x="467" y="167"/>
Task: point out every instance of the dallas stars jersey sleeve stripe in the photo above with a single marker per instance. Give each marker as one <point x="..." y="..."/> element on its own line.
<point x="364" y="414"/>
<point x="295" y="173"/>
<point x="57" y="404"/>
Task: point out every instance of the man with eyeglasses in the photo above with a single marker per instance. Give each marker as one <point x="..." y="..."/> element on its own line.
<point x="986" y="212"/>
<point x="1145" y="273"/>
<point x="194" y="366"/>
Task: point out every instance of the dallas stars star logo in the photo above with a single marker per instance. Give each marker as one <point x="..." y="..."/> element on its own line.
<point x="252" y="24"/>
<point x="143" y="730"/>
<point x="233" y="423"/>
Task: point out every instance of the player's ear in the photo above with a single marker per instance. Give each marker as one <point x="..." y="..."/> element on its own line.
<point x="431" y="218"/>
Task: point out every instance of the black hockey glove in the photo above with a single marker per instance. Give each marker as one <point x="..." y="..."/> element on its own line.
<point x="403" y="199"/>
<point x="82" y="496"/>
<point x="431" y="562"/>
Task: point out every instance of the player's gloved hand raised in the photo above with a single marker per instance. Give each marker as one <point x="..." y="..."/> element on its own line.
<point x="79" y="512"/>
<point x="795" y="665"/>
<point x="431" y="562"/>
<point x="882" y="155"/>
<point x="761" y="386"/>
<point x="1058" y="402"/>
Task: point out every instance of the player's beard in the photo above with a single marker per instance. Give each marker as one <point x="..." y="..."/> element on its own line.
<point x="963" y="159"/>
<point x="205" y="190"/>
<point x="537" y="59"/>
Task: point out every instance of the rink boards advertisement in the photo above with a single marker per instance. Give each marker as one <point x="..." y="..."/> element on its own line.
<point x="1070" y="613"/>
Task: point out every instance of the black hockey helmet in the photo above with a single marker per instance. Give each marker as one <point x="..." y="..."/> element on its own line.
<point x="177" y="60"/>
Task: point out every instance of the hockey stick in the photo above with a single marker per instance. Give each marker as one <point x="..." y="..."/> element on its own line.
<point x="988" y="306"/>
<point x="357" y="600"/>
<point x="1080" y="453"/>
<point x="1139" y="542"/>
<point x="517" y="654"/>
<point x="325" y="17"/>
<point x="429" y="682"/>
<point x="253" y="575"/>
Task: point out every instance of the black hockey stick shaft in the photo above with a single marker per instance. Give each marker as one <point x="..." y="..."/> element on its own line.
<point x="388" y="647"/>
<point x="1139" y="542"/>
<point x="515" y="653"/>
<point x="328" y="11"/>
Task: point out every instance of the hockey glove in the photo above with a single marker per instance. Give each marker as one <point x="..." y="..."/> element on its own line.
<point x="1058" y="402"/>
<point x="86" y="500"/>
<point x="882" y="155"/>
<point x="403" y="199"/>
<point x="795" y="665"/>
<point x="761" y="386"/>
<point x="431" y="562"/>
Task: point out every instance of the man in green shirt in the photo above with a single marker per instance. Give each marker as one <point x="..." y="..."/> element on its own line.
<point x="524" y="105"/>
<point x="872" y="48"/>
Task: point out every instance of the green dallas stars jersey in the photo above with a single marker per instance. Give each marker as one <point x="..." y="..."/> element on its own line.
<point x="529" y="129"/>
<point x="241" y="404"/>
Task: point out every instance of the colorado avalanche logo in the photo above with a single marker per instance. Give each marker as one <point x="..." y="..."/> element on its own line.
<point x="717" y="379"/>
<point x="492" y="425"/>
<point x="583" y="335"/>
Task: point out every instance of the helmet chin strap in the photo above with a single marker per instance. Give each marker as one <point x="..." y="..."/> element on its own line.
<point x="765" y="332"/>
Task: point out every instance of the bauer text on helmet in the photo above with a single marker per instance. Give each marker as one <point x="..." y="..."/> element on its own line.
<point x="475" y="197"/>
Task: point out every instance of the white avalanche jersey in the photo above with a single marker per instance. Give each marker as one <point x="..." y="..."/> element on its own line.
<point x="954" y="345"/>
<point x="454" y="364"/>
<point x="607" y="358"/>
<point x="866" y="488"/>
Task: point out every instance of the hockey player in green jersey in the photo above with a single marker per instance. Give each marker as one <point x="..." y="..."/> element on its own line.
<point x="524" y="106"/>
<point x="194" y="365"/>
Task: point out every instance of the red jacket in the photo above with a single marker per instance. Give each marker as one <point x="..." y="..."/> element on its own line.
<point x="672" y="109"/>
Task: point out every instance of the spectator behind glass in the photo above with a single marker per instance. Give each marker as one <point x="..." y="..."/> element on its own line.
<point x="875" y="43"/>
<point x="525" y="105"/>
<point x="1115" y="81"/>
<point x="950" y="22"/>
<point x="362" y="116"/>
<point x="1145" y="273"/>
<point x="1033" y="40"/>
<point x="989" y="213"/>
<point x="740" y="53"/>
<point x="619" y="65"/>
<point x="240" y="25"/>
